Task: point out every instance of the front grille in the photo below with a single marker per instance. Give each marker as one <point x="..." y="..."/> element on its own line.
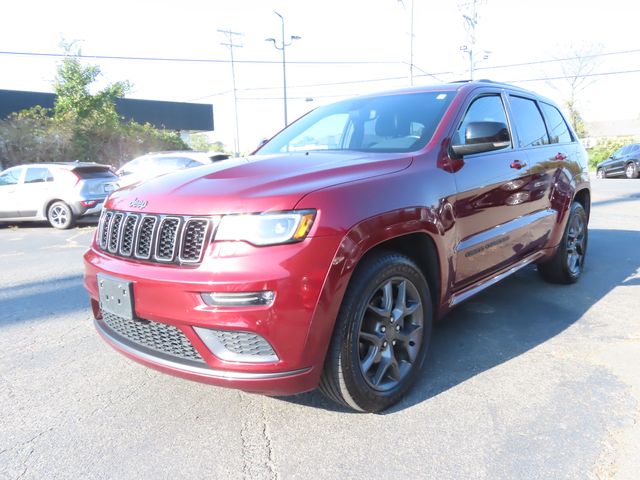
<point x="244" y="343"/>
<point x="114" y="232"/>
<point x="156" y="238"/>
<point x="145" y="237"/>
<point x="128" y="235"/>
<point x="166" y="245"/>
<point x="160" y="337"/>
<point x="195" y="231"/>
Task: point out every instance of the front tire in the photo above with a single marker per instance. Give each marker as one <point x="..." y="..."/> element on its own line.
<point x="600" y="173"/>
<point x="631" y="170"/>
<point x="381" y="334"/>
<point x="568" y="262"/>
<point x="60" y="215"/>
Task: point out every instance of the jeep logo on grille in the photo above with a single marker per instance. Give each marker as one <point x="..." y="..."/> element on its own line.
<point x="137" y="203"/>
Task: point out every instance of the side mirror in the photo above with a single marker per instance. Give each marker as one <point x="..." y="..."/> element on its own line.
<point x="482" y="137"/>
<point x="219" y="156"/>
<point x="262" y="143"/>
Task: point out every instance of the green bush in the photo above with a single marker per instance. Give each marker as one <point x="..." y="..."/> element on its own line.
<point x="81" y="126"/>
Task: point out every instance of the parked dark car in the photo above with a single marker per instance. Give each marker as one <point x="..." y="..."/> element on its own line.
<point x="324" y="259"/>
<point x="625" y="162"/>
<point x="57" y="192"/>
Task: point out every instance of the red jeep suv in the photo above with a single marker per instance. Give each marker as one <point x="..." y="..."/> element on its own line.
<point x="324" y="258"/>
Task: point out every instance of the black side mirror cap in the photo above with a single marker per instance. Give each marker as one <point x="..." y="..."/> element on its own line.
<point x="483" y="137"/>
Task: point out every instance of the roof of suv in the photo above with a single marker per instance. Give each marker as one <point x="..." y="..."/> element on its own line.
<point x="455" y="86"/>
<point x="74" y="164"/>
<point x="204" y="157"/>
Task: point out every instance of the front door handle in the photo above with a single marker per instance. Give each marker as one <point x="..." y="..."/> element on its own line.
<point x="517" y="164"/>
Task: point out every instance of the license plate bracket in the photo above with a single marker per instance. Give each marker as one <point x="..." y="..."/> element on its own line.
<point x="116" y="296"/>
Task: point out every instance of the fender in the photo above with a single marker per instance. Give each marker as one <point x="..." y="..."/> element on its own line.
<point x="356" y="243"/>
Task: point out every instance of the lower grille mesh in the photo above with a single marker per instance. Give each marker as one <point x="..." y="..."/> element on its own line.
<point x="244" y="343"/>
<point x="160" y="337"/>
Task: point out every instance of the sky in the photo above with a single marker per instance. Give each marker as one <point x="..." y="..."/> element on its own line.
<point x="349" y="33"/>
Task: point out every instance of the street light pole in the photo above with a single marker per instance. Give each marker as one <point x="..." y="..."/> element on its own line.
<point x="283" y="46"/>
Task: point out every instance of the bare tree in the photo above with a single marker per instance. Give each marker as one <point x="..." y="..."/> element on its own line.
<point x="577" y="66"/>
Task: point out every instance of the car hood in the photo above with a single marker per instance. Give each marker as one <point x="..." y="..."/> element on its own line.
<point x="252" y="184"/>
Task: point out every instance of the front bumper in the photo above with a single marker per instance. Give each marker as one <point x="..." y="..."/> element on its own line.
<point x="171" y="295"/>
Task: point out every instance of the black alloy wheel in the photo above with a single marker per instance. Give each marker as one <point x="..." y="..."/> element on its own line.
<point x="381" y="334"/>
<point x="390" y="333"/>
<point x="567" y="264"/>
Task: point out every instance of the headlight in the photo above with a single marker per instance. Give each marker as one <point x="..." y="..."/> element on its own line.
<point x="267" y="228"/>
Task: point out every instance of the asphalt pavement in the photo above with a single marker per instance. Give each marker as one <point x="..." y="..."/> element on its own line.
<point x="526" y="380"/>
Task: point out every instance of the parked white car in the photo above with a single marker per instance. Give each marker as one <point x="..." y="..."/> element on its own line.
<point x="154" y="164"/>
<point x="57" y="192"/>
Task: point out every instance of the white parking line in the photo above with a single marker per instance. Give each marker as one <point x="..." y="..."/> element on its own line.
<point x="12" y="254"/>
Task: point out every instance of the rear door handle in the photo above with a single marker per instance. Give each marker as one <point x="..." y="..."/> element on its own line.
<point x="517" y="164"/>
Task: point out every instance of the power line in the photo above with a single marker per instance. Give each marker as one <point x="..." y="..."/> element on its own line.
<point x="305" y="62"/>
<point x="205" y="60"/>
<point x="432" y="75"/>
<point x="552" y="60"/>
<point x="598" y="74"/>
<point x="622" y="72"/>
<point x="311" y="85"/>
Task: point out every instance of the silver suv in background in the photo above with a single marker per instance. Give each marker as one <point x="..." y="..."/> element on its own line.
<point x="154" y="164"/>
<point x="57" y="192"/>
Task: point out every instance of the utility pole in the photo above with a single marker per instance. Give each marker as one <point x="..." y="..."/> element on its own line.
<point x="469" y="12"/>
<point x="229" y="43"/>
<point x="283" y="46"/>
<point x="411" y="47"/>
<point x="411" y="66"/>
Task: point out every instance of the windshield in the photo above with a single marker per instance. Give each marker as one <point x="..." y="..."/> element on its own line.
<point x="393" y="123"/>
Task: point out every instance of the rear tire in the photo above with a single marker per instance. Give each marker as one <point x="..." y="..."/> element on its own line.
<point x="60" y="215"/>
<point x="568" y="262"/>
<point x="631" y="170"/>
<point x="381" y="334"/>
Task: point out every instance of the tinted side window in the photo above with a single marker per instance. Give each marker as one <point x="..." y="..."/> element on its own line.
<point x="171" y="162"/>
<point x="94" y="172"/>
<point x="10" y="177"/>
<point x="619" y="152"/>
<point x="38" y="174"/>
<point x="529" y="122"/>
<point x="484" y="109"/>
<point x="558" y="129"/>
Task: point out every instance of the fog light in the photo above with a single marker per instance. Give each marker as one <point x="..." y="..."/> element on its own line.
<point x="237" y="346"/>
<point x="238" y="299"/>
